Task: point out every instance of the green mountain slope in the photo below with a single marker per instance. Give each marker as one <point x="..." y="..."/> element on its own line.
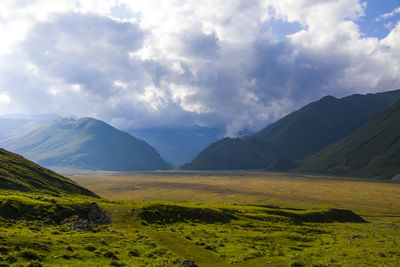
<point x="85" y="144"/>
<point x="295" y="136"/>
<point x="371" y="151"/>
<point x="18" y="173"/>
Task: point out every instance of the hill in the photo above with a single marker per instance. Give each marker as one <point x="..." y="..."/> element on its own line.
<point x="85" y="144"/>
<point x="18" y="173"/>
<point x="178" y="145"/>
<point x="371" y="151"/>
<point x="297" y="135"/>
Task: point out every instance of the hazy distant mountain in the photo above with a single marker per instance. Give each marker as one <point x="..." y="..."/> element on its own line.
<point x="371" y="151"/>
<point x="179" y="145"/>
<point x="12" y="124"/>
<point x="295" y="136"/>
<point x="18" y="173"/>
<point x="85" y="144"/>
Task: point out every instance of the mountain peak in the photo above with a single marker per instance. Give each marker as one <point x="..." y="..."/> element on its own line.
<point x="328" y="97"/>
<point x="86" y="143"/>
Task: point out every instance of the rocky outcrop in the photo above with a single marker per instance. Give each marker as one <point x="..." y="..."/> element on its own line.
<point x="95" y="216"/>
<point x="342" y="167"/>
<point x="396" y="178"/>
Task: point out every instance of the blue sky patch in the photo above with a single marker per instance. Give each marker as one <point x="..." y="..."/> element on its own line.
<point x="374" y="24"/>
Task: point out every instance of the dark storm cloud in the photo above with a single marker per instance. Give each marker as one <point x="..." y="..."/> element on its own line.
<point x="282" y="71"/>
<point x="198" y="44"/>
<point x="85" y="49"/>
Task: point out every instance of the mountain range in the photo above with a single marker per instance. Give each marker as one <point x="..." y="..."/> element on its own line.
<point x="371" y="151"/>
<point x="300" y="134"/>
<point x="354" y="135"/>
<point x="84" y="144"/>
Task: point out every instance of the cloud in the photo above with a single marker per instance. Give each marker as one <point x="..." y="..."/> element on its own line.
<point x="388" y="15"/>
<point x="178" y="63"/>
<point x="5" y="98"/>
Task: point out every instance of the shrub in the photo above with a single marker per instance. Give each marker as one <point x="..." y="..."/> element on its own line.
<point x="30" y="255"/>
<point x="118" y="264"/>
<point x="110" y="255"/>
<point x="11" y="259"/>
<point x="90" y="248"/>
<point x="134" y="253"/>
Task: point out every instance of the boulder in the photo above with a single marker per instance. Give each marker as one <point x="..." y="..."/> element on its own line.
<point x="97" y="215"/>
<point x="396" y="178"/>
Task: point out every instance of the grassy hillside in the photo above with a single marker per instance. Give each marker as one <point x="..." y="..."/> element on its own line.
<point x="371" y="151"/>
<point x="238" y="153"/>
<point x="17" y="173"/>
<point x="85" y="144"/>
<point x="299" y="134"/>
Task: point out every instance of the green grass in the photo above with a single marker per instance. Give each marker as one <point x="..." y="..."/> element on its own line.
<point x="262" y="188"/>
<point x="209" y="234"/>
<point x="254" y="232"/>
<point x="18" y="173"/>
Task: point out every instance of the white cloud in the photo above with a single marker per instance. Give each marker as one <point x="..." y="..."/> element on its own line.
<point x="76" y="87"/>
<point x="121" y="84"/>
<point x="175" y="62"/>
<point x="388" y="15"/>
<point x="5" y="98"/>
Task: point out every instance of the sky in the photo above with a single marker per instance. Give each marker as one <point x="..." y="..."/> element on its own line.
<point x="234" y="64"/>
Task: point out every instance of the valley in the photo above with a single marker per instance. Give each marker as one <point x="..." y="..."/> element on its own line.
<point x="118" y="203"/>
<point x="209" y="219"/>
<point x="290" y="190"/>
<point x="194" y="218"/>
<point x="200" y="133"/>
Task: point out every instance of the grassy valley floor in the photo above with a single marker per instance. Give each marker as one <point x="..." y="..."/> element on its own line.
<point x="366" y="197"/>
<point x="213" y="219"/>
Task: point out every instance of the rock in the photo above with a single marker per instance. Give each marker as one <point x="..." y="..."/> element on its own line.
<point x="97" y="215"/>
<point x="189" y="263"/>
<point x="70" y="219"/>
<point x="83" y="225"/>
<point x="78" y="224"/>
<point x="396" y="178"/>
<point x="342" y="167"/>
